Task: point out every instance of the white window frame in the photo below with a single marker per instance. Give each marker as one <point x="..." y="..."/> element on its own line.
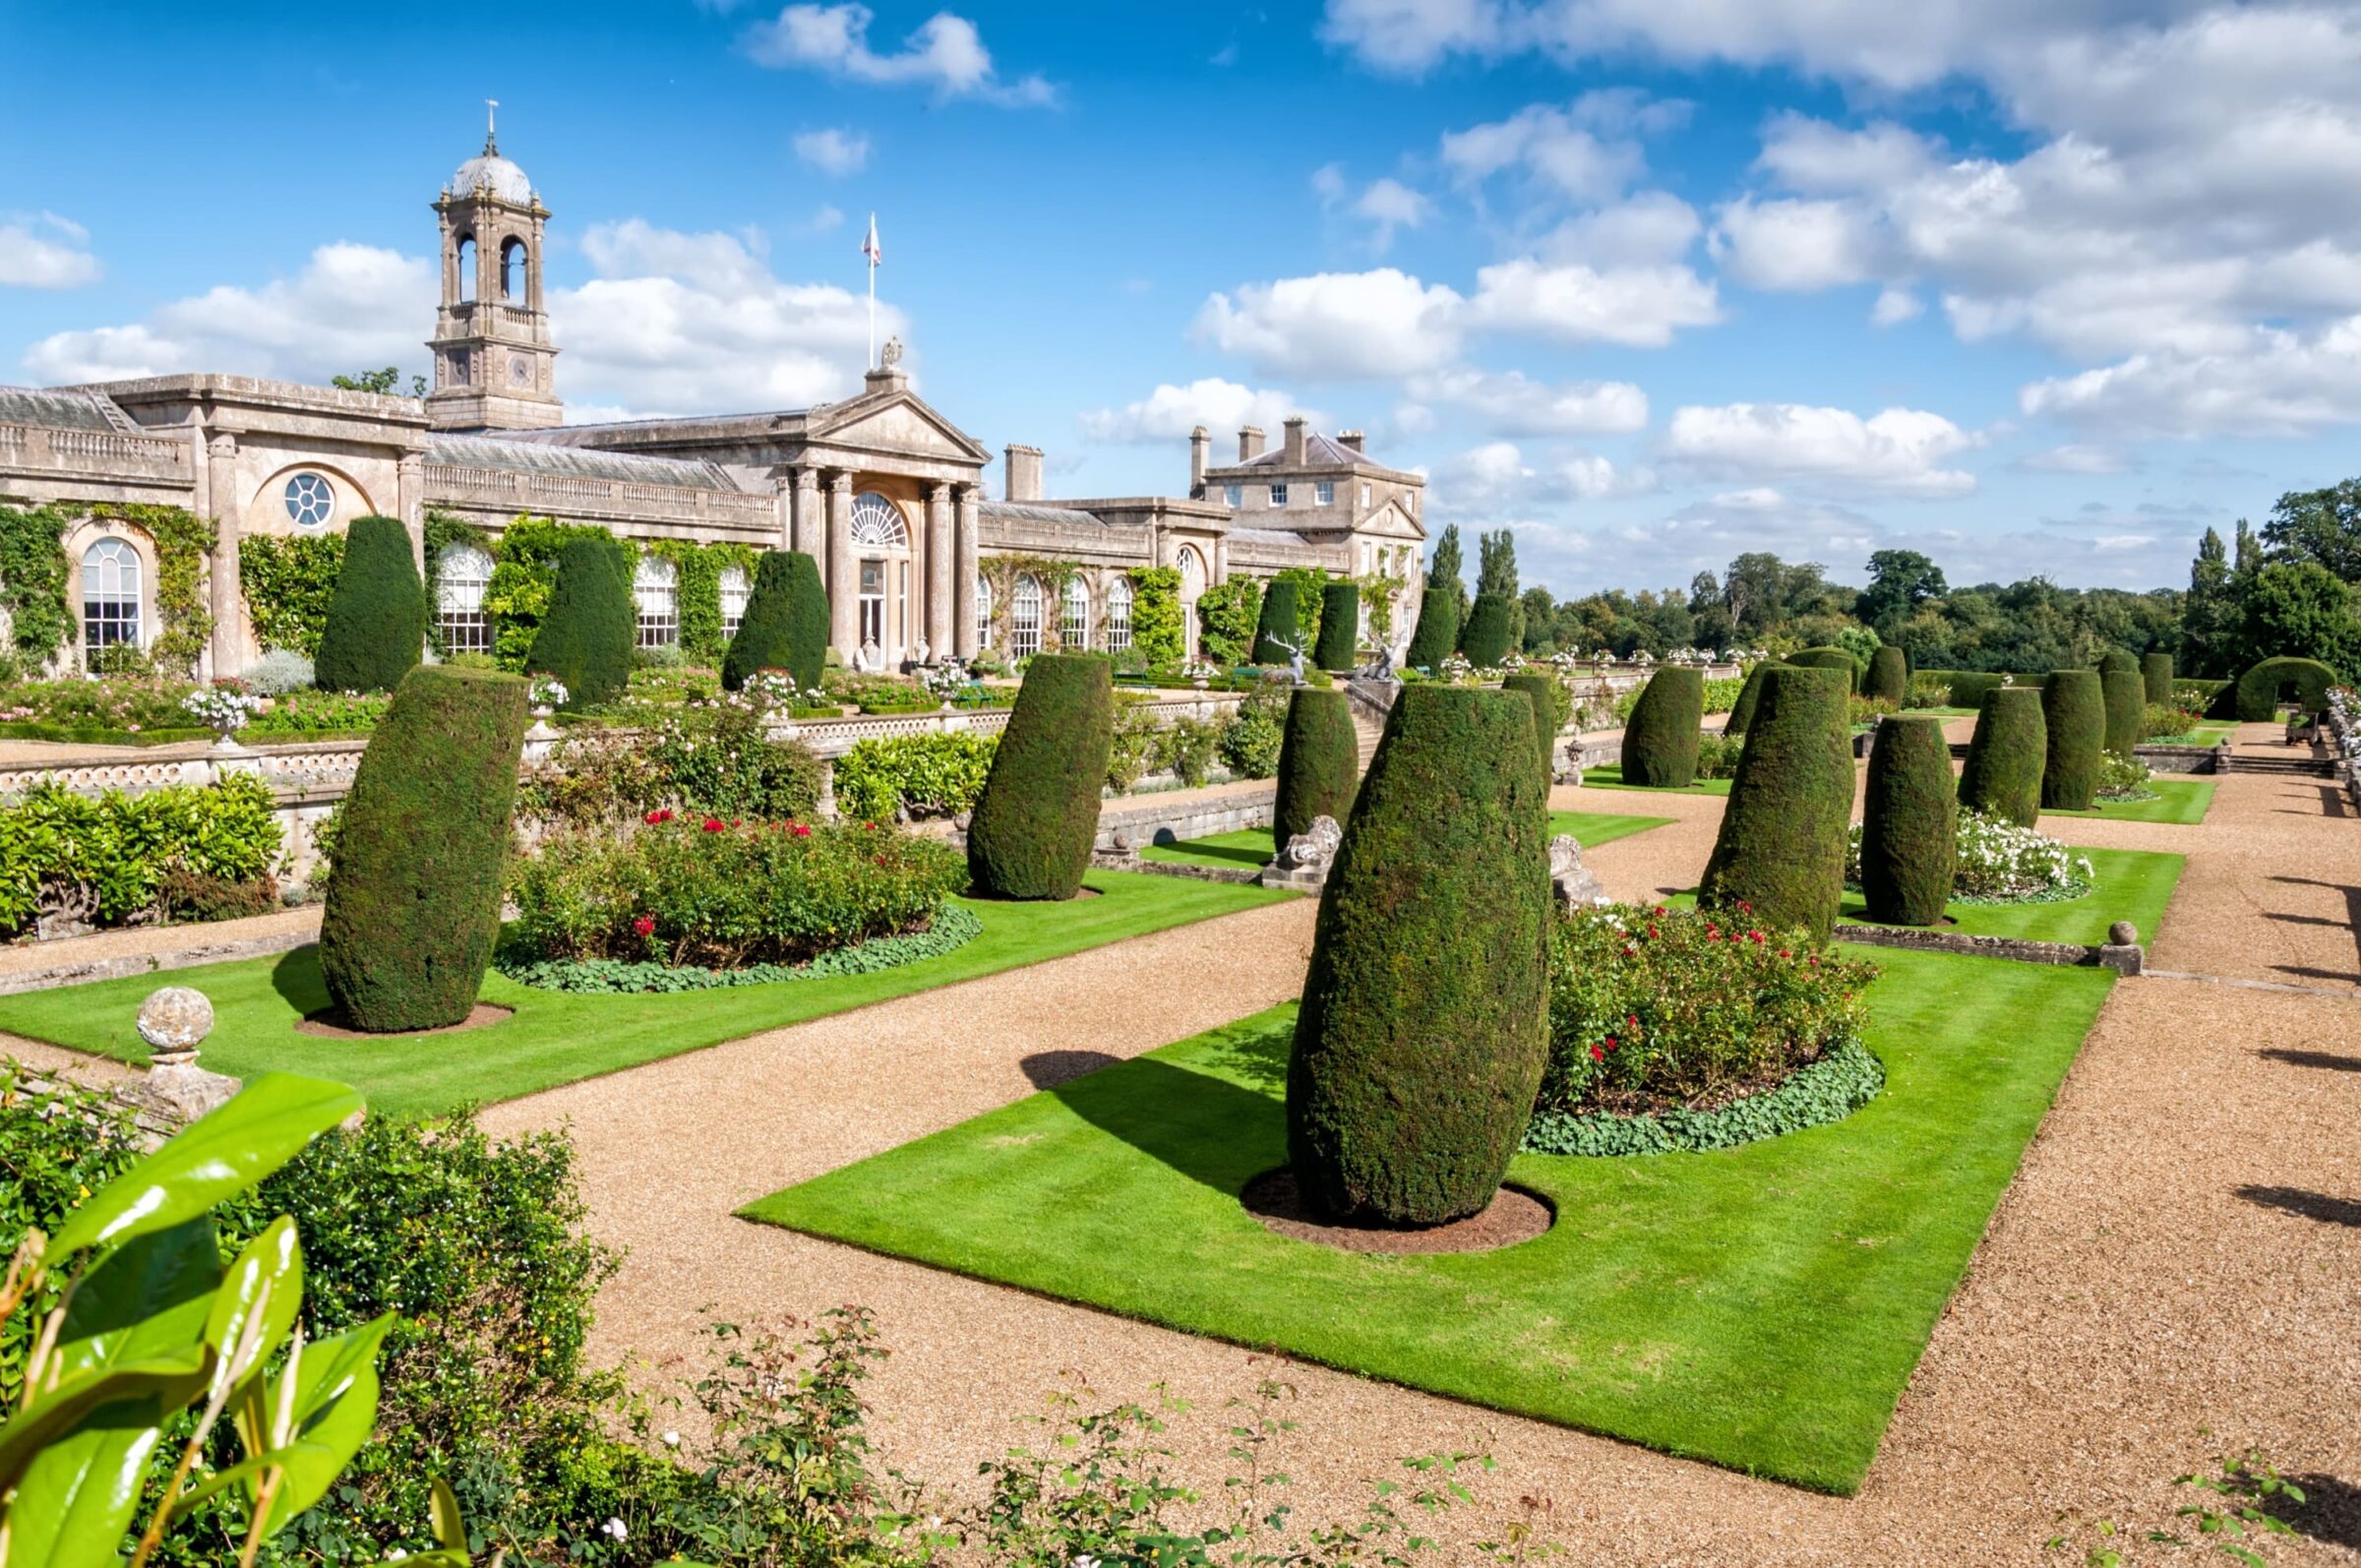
<point x="1279" y="494"/>
<point x="1323" y="492"/>
<point x="1074" y="617"/>
<point x="1024" y="617"/>
<point x="463" y="573"/>
<point x="1118" y="615"/>
<point x="111" y="612"/>
<point x="877" y="523"/>
<point x="736" y="586"/>
<point x="1234" y="496"/>
<point x="310" y="499"/>
<point x="656" y="600"/>
<point x="1365" y="495"/>
<point x="983" y="613"/>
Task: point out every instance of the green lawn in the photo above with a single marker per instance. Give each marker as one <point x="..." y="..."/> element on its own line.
<point x="1760" y="1308"/>
<point x="2132" y="884"/>
<point x="1253" y="847"/>
<point x="2180" y="801"/>
<point x="556" y="1037"/>
<point x="1610" y="776"/>
<point x="2203" y="735"/>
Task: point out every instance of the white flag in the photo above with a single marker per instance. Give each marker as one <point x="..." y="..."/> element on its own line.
<point x="869" y="246"/>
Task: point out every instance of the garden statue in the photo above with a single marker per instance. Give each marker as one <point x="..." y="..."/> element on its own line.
<point x="1572" y="883"/>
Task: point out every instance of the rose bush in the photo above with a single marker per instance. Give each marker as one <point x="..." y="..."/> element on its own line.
<point x="2122" y="777"/>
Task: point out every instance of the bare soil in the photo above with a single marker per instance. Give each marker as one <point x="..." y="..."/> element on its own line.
<point x="1514" y="1215"/>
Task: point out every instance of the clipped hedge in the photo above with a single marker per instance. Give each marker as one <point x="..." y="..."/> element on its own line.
<point x="1421" y="1038"/>
<point x="2118" y="661"/>
<point x="1340" y="627"/>
<point x="1831" y="658"/>
<point x="1437" y="636"/>
<point x="123" y="858"/>
<point x="1969" y="688"/>
<point x="1281" y="625"/>
<point x="1741" y="712"/>
<point x="2074" y="713"/>
<point x="1908" y="826"/>
<point x="1889" y="676"/>
<point x="2156" y="676"/>
<point x="1319" y="760"/>
<point x="785" y="626"/>
<point x="1551" y="706"/>
<point x="375" y="627"/>
<point x="1484" y="639"/>
<point x="1035" y="822"/>
<point x="2259" y="686"/>
<point x="1659" y="741"/>
<point x="2007" y="757"/>
<point x="422" y="851"/>
<point x="1780" y="848"/>
<point x="2124" y="695"/>
<point x="587" y="637"/>
<point x="1828" y="1090"/>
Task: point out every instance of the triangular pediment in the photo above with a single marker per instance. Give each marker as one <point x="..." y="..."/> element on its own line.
<point x="1392" y="523"/>
<point x="900" y="422"/>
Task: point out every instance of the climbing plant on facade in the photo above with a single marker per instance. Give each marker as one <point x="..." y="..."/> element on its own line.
<point x="1156" y="625"/>
<point x="32" y="579"/>
<point x="288" y="585"/>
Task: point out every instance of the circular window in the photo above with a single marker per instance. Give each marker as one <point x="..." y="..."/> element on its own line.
<point x="311" y="500"/>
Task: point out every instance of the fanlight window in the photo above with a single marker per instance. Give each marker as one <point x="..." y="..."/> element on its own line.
<point x="1024" y="620"/>
<point x="110" y="596"/>
<point x="1118" y="615"/>
<point x="983" y="611"/>
<point x="461" y="574"/>
<point x="736" y="590"/>
<point x="655" y="590"/>
<point x="1073" y="628"/>
<point x="878" y="522"/>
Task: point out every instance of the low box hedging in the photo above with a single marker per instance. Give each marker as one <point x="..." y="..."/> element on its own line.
<point x="913" y="775"/>
<point x="1845" y="1079"/>
<point x="115" y="859"/>
<point x="1969" y="688"/>
<point x="1831" y="658"/>
<point x="952" y="928"/>
<point x="717" y="895"/>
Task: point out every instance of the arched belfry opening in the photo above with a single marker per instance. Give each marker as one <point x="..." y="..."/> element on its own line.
<point x="494" y="361"/>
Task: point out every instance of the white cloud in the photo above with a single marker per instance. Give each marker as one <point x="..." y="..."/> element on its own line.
<point x="833" y="151"/>
<point x="1411" y="34"/>
<point x="1389" y="205"/>
<point x="1169" y="412"/>
<point x="1552" y="144"/>
<point x="2278" y="383"/>
<point x="1337" y="326"/>
<point x="1796" y="244"/>
<point x="1496" y="478"/>
<point x="1652" y="227"/>
<point x="1895" y="306"/>
<point x="1511" y="404"/>
<point x="945" y="52"/>
<point x="45" y="251"/>
<point x="1898" y="451"/>
<point x="2077" y="458"/>
<point x="1638" y="307"/>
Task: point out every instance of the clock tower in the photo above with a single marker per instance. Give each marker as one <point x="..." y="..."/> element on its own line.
<point x="493" y="358"/>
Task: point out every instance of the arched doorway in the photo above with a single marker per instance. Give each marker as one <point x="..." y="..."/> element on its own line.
<point x="881" y="539"/>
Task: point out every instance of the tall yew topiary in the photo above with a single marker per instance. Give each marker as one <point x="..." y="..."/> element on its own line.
<point x="2125" y="697"/>
<point x="1551" y="707"/>
<point x="2007" y="755"/>
<point x="2118" y="660"/>
<point x="2156" y="675"/>
<point x="377" y="617"/>
<point x="785" y="626"/>
<point x="1780" y="849"/>
<point x="1484" y="639"/>
<point x="1279" y="627"/>
<point x="1340" y="626"/>
<point x="1908" y="823"/>
<point x="1660" y="738"/>
<point x="422" y="851"/>
<point x="1422" y="1036"/>
<point x="1035" y="824"/>
<point x="1438" y="633"/>
<point x="1319" y="758"/>
<point x="1889" y="676"/>
<point x="1741" y="712"/>
<point x="2259" y="689"/>
<point x="2073" y="712"/>
<point x="1831" y="658"/>
<point x="587" y="632"/>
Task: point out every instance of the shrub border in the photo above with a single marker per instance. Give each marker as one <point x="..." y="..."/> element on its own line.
<point x="1816" y="1094"/>
<point x="953" y="928"/>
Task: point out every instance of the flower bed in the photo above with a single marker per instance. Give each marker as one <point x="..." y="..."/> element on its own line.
<point x="1999" y="863"/>
<point x="953" y="928"/>
<point x="920" y="775"/>
<point x="715" y="894"/>
<point x="1845" y="1079"/>
<point x="1657" y="1012"/>
<point x="2123" y="778"/>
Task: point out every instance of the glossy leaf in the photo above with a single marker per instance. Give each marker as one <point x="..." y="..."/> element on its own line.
<point x="216" y="1157"/>
<point x="75" y="1500"/>
<point x="334" y="1409"/>
<point x="269" y="1272"/>
<point x="451" y="1529"/>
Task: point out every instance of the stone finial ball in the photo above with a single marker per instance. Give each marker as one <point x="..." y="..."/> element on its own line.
<point x="2123" y="934"/>
<point x="176" y="1018"/>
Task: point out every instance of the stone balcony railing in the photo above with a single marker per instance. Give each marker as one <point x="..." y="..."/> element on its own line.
<point x="100" y="454"/>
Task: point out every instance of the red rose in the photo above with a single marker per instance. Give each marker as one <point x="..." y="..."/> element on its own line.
<point x="1631" y="1021"/>
<point x="869" y="828"/>
<point x="645" y="926"/>
<point x="1597" y="1055"/>
<point x="1610" y="1041"/>
<point x="801" y="831"/>
<point x="713" y="824"/>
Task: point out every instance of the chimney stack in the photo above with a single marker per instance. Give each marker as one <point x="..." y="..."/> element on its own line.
<point x="1200" y="454"/>
<point x="1023" y="481"/>
<point x="1250" y="443"/>
<point x="1294" y="443"/>
<point x="1349" y="439"/>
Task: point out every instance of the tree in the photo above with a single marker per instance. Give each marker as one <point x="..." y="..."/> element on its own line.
<point x="2322" y="526"/>
<point x="585" y="637"/>
<point x="1319" y="761"/>
<point x="1450" y="570"/>
<point x="2007" y="757"/>
<point x="1032" y="827"/>
<point x="785" y="626"/>
<point x="1660" y="738"/>
<point x="386" y="382"/>
<point x="2208" y="615"/>
<point x="1438" y="633"/>
<point x="1900" y="582"/>
<point x="2074" y="711"/>
<point x="1781" y="847"/>
<point x="1279" y="635"/>
<point x="1340" y="627"/>
<point x="1484" y="639"/>
<point x="2297" y="610"/>
<point x="377" y="621"/>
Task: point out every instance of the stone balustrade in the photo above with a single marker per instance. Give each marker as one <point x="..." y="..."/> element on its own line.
<point x="111" y="456"/>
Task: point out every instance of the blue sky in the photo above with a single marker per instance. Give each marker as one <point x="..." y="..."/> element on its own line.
<point x="2034" y="286"/>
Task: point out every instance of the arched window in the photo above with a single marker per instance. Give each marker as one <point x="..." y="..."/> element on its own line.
<point x="512" y="269"/>
<point x="655" y="588"/>
<point x="461" y="574"/>
<point x="1192" y="573"/>
<point x="467" y="266"/>
<point x="983" y="612"/>
<point x="110" y="596"/>
<point x="1073" y="627"/>
<point x="736" y="590"/>
<point x="878" y="522"/>
<point x="1024" y="620"/>
<point x="1118" y="615"/>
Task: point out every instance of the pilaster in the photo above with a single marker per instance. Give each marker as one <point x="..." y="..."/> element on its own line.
<point x="843" y="630"/>
<point x="966" y="561"/>
<point x="227" y="649"/>
<point x="939" y="571"/>
<point x="810" y="533"/>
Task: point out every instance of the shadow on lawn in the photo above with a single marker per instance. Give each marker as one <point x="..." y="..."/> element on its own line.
<point x="296" y="978"/>
<point x="1049" y="1068"/>
<point x="1209" y="1129"/>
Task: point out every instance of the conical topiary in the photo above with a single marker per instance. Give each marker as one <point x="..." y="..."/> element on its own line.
<point x="1660" y="738"/>
<point x="1889" y="676"/>
<point x="1831" y="658"/>
<point x="1551" y="706"/>
<point x="785" y="626"/>
<point x="1319" y="756"/>
<point x="2073" y="712"/>
<point x="421" y="855"/>
<point x="1340" y="626"/>
<point x="2156" y="675"/>
<point x="1484" y="639"/>
<point x="1780" y="849"/>
<point x="2005" y="756"/>
<point x="1035" y="822"/>
<point x="1908" y="823"/>
<point x="1741" y="712"/>
<point x="1280" y="630"/>
<point x="1438" y="633"/>
<point x="376" y="621"/>
<point x="587" y="636"/>
<point x="1422" y="1036"/>
<point x="2125" y="695"/>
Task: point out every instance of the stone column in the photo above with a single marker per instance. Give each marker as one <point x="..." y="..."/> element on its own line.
<point x="843" y="628"/>
<point x="965" y="554"/>
<point x="782" y="490"/>
<point x="810" y="537"/>
<point x="409" y="497"/>
<point x="939" y="551"/>
<point x="227" y="650"/>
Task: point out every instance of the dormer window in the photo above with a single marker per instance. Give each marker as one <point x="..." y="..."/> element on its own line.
<point x="1277" y="495"/>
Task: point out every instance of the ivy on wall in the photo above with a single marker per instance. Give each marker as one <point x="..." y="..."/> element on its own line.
<point x="1226" y="617"/>
<point x="698" y="570"/>
<point x="1156" y="625"/>
<point x="288" y="583"/>
<point x="1379" y="595"/>
<point x="1002" y="572"/>
<point x="524" y="566"/>
<point x="32" y="579"/>
<point x="441" y="533"/>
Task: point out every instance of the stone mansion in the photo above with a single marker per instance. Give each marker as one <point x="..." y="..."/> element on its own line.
<point x="883" y="490"/>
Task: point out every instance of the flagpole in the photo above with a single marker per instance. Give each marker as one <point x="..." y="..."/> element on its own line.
<point x="873" y="315"/>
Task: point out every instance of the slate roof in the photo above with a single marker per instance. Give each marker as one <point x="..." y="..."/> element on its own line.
<point x="579" y="462"/>
<point x="1269" y="536"/>
<point x="60" y="409"/>
<point x="1320" y="452"/>
<point x="1021" y="512"/>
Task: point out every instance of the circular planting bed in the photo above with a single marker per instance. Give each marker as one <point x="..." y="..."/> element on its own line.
<point x="328" y="1024"/>
<point x="1814" y="1095"/>
<point x="1513" y="1216"/>
<point x="953" y="928"/>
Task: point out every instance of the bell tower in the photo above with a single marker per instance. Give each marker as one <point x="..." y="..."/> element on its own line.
<point x="494" y="363"/>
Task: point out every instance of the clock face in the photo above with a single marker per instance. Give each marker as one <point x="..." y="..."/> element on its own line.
<point x="520" y="371"/>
